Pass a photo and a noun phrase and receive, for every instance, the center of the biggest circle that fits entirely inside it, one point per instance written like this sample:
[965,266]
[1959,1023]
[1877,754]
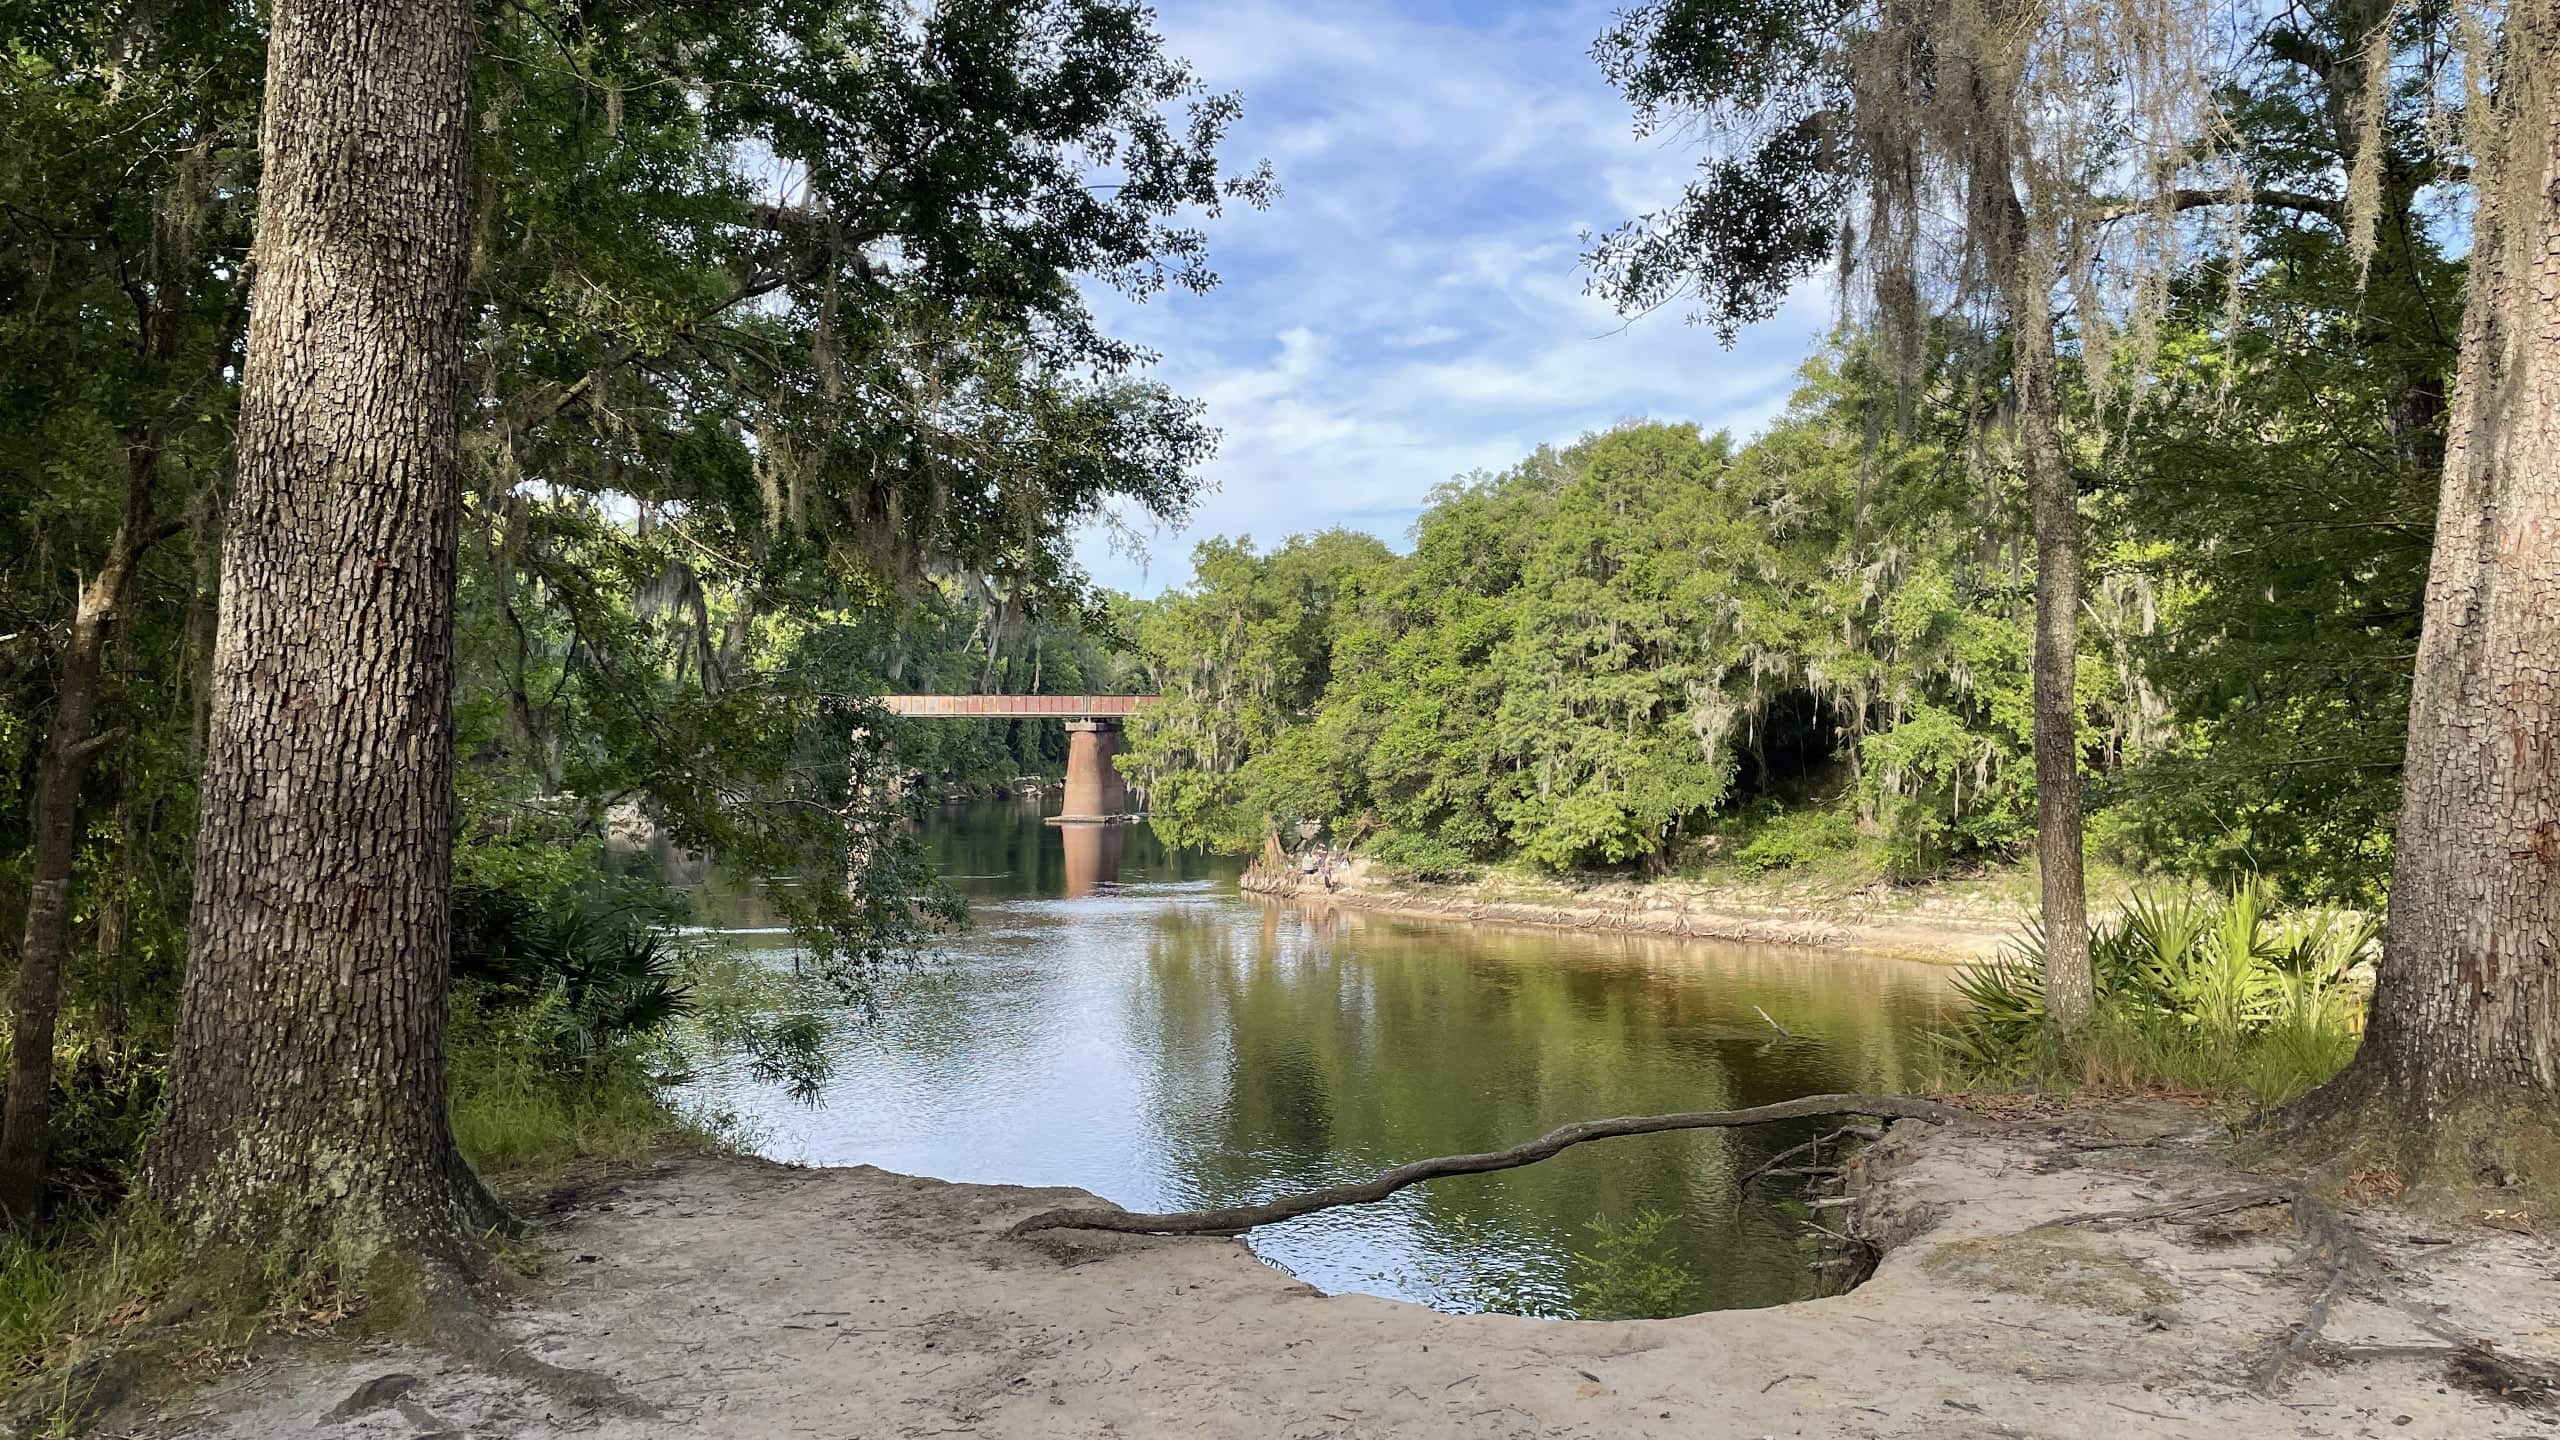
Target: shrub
[1789,838]
[521,1100]
[2193,992]
[559,1029]
[1423,856]
[1628,1271]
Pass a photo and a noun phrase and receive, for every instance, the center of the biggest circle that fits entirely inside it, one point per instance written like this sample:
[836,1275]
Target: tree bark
[2461,1057]
[54,842]
[2022,273]
[306,1108]
[2053,497]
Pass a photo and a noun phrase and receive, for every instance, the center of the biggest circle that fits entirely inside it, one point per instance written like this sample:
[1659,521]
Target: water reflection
[1092,853]
[1168,1043]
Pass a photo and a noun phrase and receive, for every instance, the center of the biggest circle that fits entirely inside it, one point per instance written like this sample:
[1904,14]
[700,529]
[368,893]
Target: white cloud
[1413,307]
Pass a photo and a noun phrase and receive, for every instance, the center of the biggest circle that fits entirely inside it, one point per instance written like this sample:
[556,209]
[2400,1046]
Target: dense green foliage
[1588,658]
[1651,647]
[1649,642]
[1588,654]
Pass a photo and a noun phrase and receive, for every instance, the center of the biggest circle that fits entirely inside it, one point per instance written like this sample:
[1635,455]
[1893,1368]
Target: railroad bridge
[1096,793]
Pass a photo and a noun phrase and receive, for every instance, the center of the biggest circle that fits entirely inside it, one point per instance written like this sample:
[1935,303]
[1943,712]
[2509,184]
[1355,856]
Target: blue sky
[1412,308]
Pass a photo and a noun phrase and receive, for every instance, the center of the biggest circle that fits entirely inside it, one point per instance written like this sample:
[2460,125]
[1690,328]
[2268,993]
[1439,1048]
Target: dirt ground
[733,1298]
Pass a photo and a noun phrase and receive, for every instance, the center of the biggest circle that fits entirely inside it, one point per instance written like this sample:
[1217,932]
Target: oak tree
[2459,1074]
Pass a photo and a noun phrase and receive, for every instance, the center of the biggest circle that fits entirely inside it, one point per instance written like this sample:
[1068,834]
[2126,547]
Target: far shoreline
[1939,922]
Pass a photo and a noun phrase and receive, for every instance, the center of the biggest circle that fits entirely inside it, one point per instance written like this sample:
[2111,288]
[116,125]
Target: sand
[729,1297]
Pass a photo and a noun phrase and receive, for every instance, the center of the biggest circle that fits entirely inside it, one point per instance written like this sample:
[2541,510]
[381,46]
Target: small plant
[1627,1272]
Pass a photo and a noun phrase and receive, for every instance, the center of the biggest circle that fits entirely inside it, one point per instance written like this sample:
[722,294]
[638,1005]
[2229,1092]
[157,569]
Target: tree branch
[809,265]
[2182,200]
[82,750]
[1236,1219]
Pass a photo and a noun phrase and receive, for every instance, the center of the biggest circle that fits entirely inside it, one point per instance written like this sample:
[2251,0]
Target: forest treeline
[1653,645]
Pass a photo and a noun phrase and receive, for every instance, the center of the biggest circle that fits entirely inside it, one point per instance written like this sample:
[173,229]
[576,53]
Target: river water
[1122,1019]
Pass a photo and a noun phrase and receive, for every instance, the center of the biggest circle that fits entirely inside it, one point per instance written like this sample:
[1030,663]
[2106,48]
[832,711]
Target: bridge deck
[1016,707]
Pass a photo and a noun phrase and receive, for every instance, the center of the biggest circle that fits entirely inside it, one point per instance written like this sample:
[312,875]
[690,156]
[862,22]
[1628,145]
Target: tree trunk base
[2478,1155]
[242,1239]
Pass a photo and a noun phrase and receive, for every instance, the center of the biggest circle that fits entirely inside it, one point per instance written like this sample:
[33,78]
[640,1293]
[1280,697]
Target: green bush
[567,1048]
[1785,839]
[1626,1273]
[523,1099]
[1423,856]
[2208,993]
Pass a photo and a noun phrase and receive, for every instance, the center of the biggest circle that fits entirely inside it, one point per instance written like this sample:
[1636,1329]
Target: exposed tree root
[2210,1205]
[1813,1146]
[1236,1219]
[456,1323]
[2511,1378]
[2345,1255]
[2472,1364]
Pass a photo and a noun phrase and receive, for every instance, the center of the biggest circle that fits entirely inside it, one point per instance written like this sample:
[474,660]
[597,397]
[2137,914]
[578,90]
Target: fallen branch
[1236,1219]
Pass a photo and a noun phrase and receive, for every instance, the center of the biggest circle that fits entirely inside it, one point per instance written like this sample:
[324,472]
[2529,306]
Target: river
[1122,1019]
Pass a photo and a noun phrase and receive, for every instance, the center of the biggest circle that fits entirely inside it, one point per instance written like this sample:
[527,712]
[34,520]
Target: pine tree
[306,1110]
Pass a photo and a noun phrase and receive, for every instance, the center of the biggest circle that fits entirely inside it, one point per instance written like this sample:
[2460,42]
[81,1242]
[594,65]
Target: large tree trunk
[307,1099]
[2461,1059]
[54,840]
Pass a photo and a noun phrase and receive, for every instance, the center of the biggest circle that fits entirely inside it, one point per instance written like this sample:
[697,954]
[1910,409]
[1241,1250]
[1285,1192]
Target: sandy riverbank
[738,1299]
[1950,922]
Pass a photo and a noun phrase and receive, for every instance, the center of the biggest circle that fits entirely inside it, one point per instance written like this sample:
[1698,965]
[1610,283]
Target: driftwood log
[1236,1219]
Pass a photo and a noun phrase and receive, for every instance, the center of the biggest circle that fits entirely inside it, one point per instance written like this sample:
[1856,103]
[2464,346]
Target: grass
[522,1110]
[83,1276]
[2121,1053]
[519,1114]
[560,1062]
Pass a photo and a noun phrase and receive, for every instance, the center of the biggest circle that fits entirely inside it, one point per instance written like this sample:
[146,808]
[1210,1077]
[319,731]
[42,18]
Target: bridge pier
[1095,789]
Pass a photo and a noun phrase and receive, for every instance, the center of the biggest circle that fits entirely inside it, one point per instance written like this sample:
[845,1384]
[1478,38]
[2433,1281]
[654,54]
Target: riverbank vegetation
[1656,649]
[2208,994]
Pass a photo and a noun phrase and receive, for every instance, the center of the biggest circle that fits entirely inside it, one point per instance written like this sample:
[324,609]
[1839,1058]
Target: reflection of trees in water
[989,849]
[1279,1048]
[1321,1049]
